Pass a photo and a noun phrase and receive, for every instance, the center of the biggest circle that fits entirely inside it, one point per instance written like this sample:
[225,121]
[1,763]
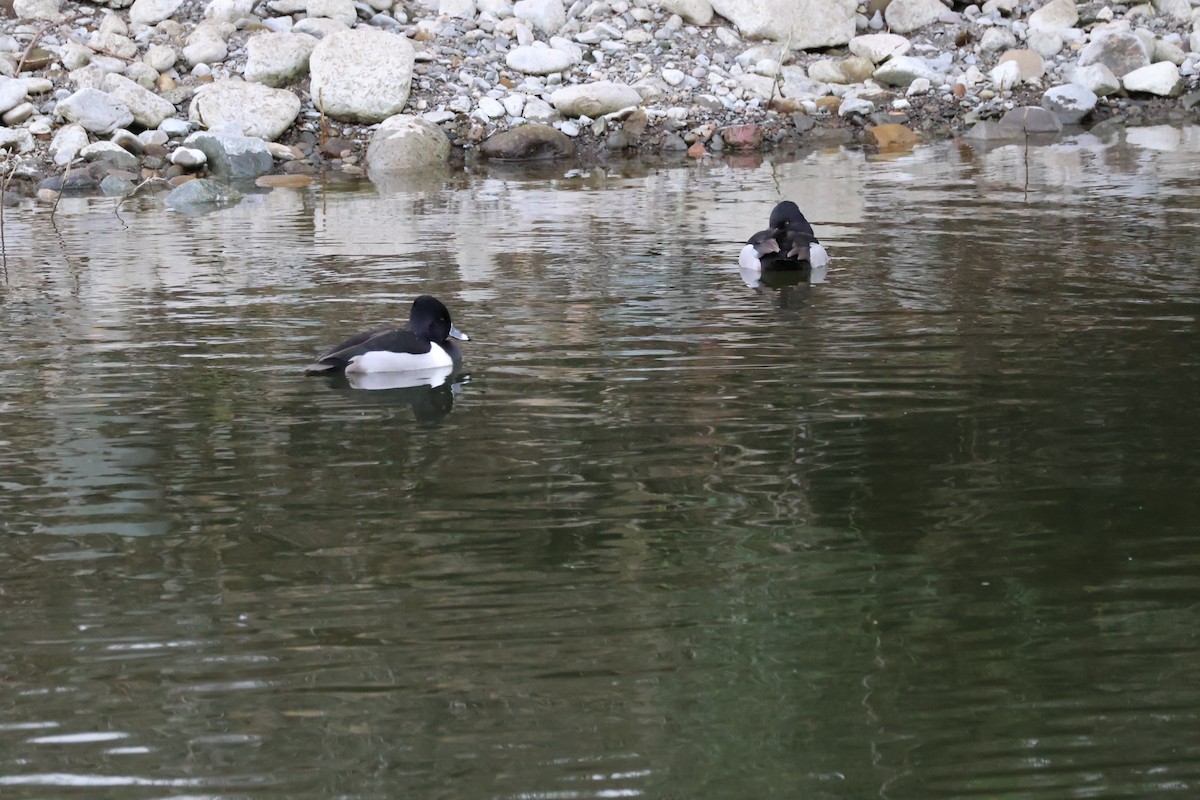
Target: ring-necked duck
[789,243]
[421,345]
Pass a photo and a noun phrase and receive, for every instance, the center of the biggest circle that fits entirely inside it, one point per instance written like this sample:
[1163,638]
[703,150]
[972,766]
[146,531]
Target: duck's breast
[389,361]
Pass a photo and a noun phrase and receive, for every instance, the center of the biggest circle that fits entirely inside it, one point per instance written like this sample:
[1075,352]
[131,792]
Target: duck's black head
[787,216]
[430,320]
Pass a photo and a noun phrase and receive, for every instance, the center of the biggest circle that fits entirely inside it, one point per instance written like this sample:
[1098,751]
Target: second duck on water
[423,344]
[789,243]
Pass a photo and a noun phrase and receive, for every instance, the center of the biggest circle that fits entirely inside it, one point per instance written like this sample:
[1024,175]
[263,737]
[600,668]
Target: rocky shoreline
[114,96]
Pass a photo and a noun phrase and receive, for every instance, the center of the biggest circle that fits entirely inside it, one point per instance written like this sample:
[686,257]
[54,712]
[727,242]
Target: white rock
[695,12]
[1070,102]
[341,10]
[319,28]
[153,137]
[903,70]
[12,93]
[404,143]
[361,74]
[1054,16]
[806,24]
[67,142]
[1161,79]
[277,59]
[1167,51]
[16,140]
[75,55]
[1006,75]
[594,99]
[1096,78]
[148,108]
[673,77]
[228,10]
[545,15]
[918,87]
[205,50]
[152,12]
[490,107]
[513,104]
[461,9]
[997,39]
[905,16]
[539,60]
[879,47]
[1177,10]
[96,111]
[37,9]
[37,85]
[175,128]
[855,105]
[160,57]
[1047,44]
[538,110]
[142,74]
[252,108]
[18,114]
[188,157]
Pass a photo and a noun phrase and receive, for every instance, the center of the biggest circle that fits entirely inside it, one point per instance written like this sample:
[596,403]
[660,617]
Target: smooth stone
[278,59]
[319,28]
[128,141]
[879,47]
[361,75]
[1005,75]
[693,12]
[546,15]
[594,99]
[96,111]
[175,128]
[188,157]
[997,39]
[160,57]
[805,24]
[539,60]
[18,114]
[903,70]
[109,154]
[1096,78]
[1160,79]
[67,142]
[228,10]
[152,12]
[1070,102]
[47,10]
[1047,44]
[906,16]
[341,10]
[232,156]
[252,108]
[1031,120]
[528,142]
[16,140]
[283,181]
[201,192]
[115,185]
[12,93]
[1055,15]
[155,137]
[148,109]
[1032,65]
[405,143]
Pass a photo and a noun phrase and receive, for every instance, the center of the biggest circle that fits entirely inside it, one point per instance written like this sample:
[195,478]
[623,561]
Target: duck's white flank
[387,361]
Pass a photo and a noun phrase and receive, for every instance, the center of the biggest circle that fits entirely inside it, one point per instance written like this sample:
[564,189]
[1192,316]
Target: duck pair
[425,343]
[788,244]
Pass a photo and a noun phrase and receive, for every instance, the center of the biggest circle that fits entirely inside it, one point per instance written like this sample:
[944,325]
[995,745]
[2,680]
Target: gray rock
[96,111]
[37,9]
[201,192]
[990,131]
[879,47]
[1070,102]
[128,141]
[254,109]
[152,12]
[694,12]
[361,75]
[110,155]
[539,60]
[153,137]
[806,24]
[996,39]
[528,142]
[905,16]
[277,59]
[12,93]
[174,128]
[232,156]
[404,143]
[341,10]
[115,185]
[594,99]
[1119,50]
[1160,79]
[546,15]
[1031,120]
[1046,43]
[67,142]
[147,108]
[1177,10]
[1031,65]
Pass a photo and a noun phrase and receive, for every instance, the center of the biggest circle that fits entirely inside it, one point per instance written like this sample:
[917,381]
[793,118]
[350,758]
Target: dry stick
[3,242]
[321,103]
[131,193]
[779,72]
[54,209]
[37,37]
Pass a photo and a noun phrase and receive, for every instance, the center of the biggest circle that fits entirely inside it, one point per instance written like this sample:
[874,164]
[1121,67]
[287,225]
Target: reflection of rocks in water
[430,393]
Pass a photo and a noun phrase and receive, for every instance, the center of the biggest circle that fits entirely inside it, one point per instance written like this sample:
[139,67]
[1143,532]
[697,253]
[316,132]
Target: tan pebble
[48,196]
[179,180]
[283,181]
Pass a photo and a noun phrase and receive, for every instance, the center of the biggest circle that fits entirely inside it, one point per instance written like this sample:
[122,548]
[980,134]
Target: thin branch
[61,187]
[37,37]
[3,242]
[131,193]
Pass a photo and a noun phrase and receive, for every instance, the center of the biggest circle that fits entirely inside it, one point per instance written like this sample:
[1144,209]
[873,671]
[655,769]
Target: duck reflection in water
[430,393]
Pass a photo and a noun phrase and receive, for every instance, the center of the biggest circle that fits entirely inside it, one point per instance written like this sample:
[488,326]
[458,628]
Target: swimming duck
[423,344]
[789,243]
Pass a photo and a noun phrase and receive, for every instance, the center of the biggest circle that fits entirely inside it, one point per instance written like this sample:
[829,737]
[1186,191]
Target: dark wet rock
[673,142]
[333,148]
[1031,119]
[525,142]
[1190,101]
[802,122]
[298,168]
[202,192]
[233,156]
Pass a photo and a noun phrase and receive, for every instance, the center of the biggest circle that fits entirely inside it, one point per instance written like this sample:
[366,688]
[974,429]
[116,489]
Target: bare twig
[131,193]
[3,242]
[775,84]
[321,105]
[61,187]
[37,37]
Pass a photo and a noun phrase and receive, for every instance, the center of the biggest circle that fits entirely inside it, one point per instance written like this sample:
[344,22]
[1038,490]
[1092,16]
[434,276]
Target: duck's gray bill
[455,333]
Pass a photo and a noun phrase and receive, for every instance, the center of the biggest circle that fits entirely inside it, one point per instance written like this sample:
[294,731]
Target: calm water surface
[926,529]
